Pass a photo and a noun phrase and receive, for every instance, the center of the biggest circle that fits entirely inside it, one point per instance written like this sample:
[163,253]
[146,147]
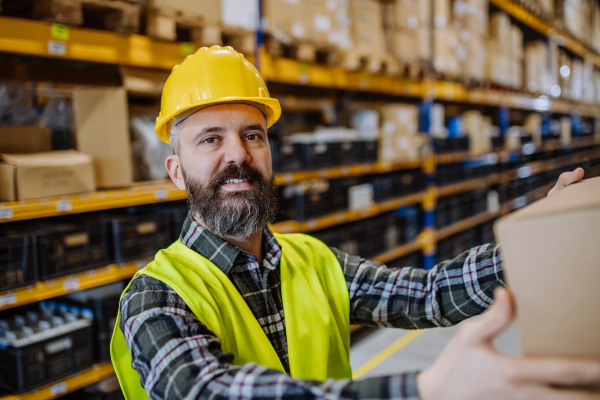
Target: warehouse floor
[376,352]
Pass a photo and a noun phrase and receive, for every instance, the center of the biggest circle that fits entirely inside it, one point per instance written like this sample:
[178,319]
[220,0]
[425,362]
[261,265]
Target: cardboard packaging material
[424,12]
[441,14]
[424,42]
[404,45]
[405,14]
[209,9]
[551,253]
[39,175]
[102,131]
[367,26]
[25,139]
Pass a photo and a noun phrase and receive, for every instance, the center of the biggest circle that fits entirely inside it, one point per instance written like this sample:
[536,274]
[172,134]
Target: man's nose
[236,152]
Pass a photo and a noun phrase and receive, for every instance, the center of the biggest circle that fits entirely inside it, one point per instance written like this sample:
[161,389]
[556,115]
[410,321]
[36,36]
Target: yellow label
[76,239]
[59,31]
[187,48]
[146,227]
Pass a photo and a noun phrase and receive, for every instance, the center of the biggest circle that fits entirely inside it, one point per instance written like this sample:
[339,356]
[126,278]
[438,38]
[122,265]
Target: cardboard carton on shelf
[39,175]
[551,253]
[209,9]
[102,131]
[25,139]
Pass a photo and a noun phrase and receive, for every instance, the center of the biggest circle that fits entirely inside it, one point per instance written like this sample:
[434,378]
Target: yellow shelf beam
[346,216]
[67,385]
[566,40]
[398,252]
[156,192]
[57,287]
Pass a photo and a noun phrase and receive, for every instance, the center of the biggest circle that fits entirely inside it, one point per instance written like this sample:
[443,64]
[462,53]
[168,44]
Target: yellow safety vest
[315,300]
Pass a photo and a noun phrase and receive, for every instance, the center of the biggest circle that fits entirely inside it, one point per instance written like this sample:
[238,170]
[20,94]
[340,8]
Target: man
[233,311]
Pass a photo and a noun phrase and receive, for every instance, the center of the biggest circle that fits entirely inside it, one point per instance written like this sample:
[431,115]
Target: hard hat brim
[272,105]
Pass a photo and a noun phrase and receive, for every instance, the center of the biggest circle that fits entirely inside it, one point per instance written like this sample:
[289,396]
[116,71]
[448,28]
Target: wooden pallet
[179,26]
[114,15]
[302,50]
[372,63]
[243,40]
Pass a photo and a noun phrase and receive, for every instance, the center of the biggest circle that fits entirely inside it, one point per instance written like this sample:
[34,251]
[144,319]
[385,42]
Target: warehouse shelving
[347,216]
[67,385]
[57,287]
[37,38]
[402,250]
[545,28]
[155,192]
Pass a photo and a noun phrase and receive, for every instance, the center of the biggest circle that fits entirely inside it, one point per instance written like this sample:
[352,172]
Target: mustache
[234,171]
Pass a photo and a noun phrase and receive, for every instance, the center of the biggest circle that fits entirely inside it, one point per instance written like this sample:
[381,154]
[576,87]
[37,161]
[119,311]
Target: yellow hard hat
[213,75]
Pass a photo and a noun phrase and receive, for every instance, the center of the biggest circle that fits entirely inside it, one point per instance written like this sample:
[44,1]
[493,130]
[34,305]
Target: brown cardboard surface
[55,173]
[25,139]
[209,9]
[551,254]
[102,131]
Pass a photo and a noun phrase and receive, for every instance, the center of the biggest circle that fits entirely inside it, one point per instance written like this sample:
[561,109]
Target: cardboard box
[424,12]
[367,26]
[209,9]
[102,131]
[405,14]
[55,173]
[285,20]
[404,45]
[441,14]
[25,139]
[424,42]
[551,253]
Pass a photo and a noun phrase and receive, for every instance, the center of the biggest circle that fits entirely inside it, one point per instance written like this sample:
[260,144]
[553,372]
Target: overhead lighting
[565,71]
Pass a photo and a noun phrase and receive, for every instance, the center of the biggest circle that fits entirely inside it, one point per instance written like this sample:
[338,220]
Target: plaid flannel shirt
[178,357]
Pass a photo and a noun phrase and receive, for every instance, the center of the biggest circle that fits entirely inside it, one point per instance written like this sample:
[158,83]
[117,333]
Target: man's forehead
[226,116]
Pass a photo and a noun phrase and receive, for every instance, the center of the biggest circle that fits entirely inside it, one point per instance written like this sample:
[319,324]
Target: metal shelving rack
[41,39]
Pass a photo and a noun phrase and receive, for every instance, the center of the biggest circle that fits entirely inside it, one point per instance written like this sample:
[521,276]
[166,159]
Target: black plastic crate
[317,155]
[178,216]
[368,150]
[17,267]
[138,236]
[62,249]
[286,156]
[103,301]
[39,351]
[345,153]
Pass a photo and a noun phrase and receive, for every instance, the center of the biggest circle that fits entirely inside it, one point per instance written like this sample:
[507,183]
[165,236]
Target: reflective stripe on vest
[315,300]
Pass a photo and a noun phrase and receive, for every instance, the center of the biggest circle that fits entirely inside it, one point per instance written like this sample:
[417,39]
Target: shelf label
[70,284]
[8,298]
[58,389]
[59,31]
[187,48]
[161,194]
[64,206]
[6,213]
[57,48]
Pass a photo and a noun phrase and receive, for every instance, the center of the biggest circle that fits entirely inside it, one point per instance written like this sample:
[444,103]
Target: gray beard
[233,214]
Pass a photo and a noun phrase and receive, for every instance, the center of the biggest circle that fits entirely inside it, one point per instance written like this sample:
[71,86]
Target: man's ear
[174,169]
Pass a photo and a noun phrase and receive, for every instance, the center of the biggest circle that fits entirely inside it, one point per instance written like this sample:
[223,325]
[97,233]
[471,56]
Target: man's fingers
[562,372]
[567,178]
[546,393]
[497,318]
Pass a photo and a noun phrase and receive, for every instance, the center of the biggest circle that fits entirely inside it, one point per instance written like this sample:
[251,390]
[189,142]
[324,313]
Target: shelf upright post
[503,119]
[259,37]
[427,237]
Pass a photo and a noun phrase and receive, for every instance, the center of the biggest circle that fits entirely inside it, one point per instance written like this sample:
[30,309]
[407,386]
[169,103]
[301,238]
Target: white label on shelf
[6,213]
[8,298]
[161,194]
[303,78]
[71,283]
[58,389]
[64,206]
[360,197]
[91,273]
[524,172]
[519,202]
[57,48]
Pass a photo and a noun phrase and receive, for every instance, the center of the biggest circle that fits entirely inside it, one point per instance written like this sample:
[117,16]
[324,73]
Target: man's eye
[209,140]
[253,136]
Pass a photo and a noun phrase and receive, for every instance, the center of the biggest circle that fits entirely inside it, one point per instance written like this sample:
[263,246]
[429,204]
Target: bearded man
[232,310]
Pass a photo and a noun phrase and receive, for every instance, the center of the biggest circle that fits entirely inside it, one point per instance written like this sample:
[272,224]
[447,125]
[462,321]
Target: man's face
[225,161]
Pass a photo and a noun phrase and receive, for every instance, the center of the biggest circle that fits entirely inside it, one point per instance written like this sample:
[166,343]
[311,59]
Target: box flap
[7,182]
[50,158]
[581,195]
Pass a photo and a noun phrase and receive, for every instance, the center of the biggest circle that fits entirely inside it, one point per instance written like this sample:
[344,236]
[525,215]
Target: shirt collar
[222,253]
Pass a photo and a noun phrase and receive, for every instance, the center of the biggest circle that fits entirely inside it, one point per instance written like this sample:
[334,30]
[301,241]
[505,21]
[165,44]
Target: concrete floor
[417,354]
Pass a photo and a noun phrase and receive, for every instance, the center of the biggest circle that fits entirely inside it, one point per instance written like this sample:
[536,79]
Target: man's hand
[567,178]
[470,368]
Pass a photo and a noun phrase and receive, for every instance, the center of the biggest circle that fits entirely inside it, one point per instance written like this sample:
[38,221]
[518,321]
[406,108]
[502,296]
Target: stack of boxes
[399,139]
[445,40]
[470,18]
[319,22]
[479,130]
[408,30]
[576,17]
[367,36]
[505,52]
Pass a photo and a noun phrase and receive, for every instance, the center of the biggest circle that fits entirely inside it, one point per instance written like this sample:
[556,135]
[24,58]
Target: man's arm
[413,298]
[178,357]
